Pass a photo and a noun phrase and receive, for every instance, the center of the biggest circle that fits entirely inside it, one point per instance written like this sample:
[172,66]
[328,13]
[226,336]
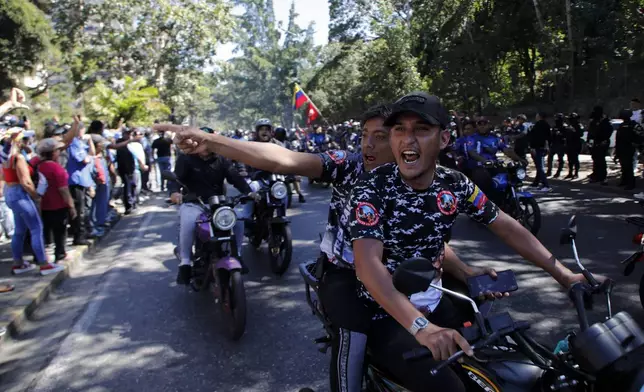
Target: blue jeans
[26,217]
[164,164]
[540,178]
[99,206]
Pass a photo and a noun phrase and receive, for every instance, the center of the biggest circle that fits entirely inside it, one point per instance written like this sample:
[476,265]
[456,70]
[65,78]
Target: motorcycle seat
[307,270]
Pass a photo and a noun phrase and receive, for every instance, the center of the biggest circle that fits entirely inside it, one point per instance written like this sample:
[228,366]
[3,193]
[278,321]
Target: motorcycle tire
[642,291]
[281,260]
[255,240]
[524,202]
[232,300]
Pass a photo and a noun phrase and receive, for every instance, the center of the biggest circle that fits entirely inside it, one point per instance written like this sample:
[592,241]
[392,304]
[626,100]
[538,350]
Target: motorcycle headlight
[224,218]
[521,173]
[279,190]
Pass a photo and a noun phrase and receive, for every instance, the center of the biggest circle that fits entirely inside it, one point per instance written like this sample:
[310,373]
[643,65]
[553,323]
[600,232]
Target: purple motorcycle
[216,265]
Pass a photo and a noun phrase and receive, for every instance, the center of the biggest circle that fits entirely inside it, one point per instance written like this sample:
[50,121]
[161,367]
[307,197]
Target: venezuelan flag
[478,198]
[299,98]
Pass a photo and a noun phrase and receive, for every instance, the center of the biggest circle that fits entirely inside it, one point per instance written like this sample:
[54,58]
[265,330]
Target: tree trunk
[571,48]
[539,17]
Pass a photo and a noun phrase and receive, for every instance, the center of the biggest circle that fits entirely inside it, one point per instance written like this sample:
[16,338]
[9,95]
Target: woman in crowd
[57,201]
[21,196]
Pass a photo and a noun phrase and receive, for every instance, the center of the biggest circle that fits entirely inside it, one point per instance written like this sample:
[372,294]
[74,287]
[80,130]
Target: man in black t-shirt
[125,167]
[405,210]
[162,145]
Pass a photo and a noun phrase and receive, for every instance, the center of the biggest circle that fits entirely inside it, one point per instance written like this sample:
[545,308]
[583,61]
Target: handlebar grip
[417,354]
[590,278]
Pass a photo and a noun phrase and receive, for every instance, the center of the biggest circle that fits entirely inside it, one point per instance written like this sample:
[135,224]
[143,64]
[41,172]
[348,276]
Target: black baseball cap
[428,107]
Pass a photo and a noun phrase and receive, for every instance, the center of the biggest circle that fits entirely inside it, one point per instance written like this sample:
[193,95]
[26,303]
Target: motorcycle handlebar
[423,352]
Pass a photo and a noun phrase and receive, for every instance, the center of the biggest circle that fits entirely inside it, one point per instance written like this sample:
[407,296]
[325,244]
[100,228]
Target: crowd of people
[476,140]
[68,180]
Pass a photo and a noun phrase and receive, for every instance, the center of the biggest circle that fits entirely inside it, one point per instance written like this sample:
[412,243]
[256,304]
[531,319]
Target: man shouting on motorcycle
[403,210]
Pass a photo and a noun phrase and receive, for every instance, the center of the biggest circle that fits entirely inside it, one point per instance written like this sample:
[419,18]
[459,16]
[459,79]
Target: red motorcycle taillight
[637,239]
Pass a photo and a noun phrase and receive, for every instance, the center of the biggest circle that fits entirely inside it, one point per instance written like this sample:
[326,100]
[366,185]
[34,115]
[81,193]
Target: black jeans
[626,164]
[600,169]
[129,194]
[55,222]
[573,159]
[388,341]
[482,177]
[557,150]
[351,320]
[82,203]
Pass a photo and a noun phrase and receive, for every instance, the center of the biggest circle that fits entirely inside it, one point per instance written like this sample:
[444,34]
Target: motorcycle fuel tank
[203,228]
[516,376]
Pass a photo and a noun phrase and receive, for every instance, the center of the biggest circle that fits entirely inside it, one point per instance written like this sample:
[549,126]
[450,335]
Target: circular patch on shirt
[366,214]
[446,202]
[337,156]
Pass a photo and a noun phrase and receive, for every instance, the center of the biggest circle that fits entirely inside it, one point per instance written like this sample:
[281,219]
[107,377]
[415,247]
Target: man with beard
[405,209]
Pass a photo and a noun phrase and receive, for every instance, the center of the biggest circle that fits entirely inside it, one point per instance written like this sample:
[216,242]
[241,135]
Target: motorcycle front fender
[228,263]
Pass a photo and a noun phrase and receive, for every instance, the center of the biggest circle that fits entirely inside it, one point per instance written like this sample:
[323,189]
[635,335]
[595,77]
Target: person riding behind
[281,136]
[405,209]
[335,265]
[204,176]
[319,139]
[482,147]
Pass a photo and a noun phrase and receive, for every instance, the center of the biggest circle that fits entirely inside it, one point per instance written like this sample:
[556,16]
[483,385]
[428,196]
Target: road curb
[13,320]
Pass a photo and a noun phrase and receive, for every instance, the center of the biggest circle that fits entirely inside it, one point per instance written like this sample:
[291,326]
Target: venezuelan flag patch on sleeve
[478,198]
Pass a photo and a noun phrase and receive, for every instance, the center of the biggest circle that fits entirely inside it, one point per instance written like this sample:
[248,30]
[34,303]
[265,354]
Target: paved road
[122,324]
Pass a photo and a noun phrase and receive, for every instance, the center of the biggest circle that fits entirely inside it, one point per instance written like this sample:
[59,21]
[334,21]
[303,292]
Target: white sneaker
[639,196]
[545,189]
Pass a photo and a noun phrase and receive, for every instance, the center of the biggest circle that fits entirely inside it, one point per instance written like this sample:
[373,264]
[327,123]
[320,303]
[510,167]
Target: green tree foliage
[259,83]
[164,41]
[25,40]
[134,101]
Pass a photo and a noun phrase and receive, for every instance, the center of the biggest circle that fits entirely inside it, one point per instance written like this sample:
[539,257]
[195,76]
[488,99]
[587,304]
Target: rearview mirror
[414,276]
[168,176]
[568,234]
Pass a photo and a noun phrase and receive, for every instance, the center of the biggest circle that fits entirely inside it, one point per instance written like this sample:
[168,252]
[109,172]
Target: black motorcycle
[215,257]
[605,357]
[270,223]
[519,204]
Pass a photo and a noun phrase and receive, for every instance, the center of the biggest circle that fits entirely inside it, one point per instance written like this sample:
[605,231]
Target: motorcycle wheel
[530,214]
[642,291]
[280,250]
[232,299]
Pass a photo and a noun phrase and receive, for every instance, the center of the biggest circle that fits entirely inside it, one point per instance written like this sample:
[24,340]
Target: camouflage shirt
[412,223]
[342,169]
